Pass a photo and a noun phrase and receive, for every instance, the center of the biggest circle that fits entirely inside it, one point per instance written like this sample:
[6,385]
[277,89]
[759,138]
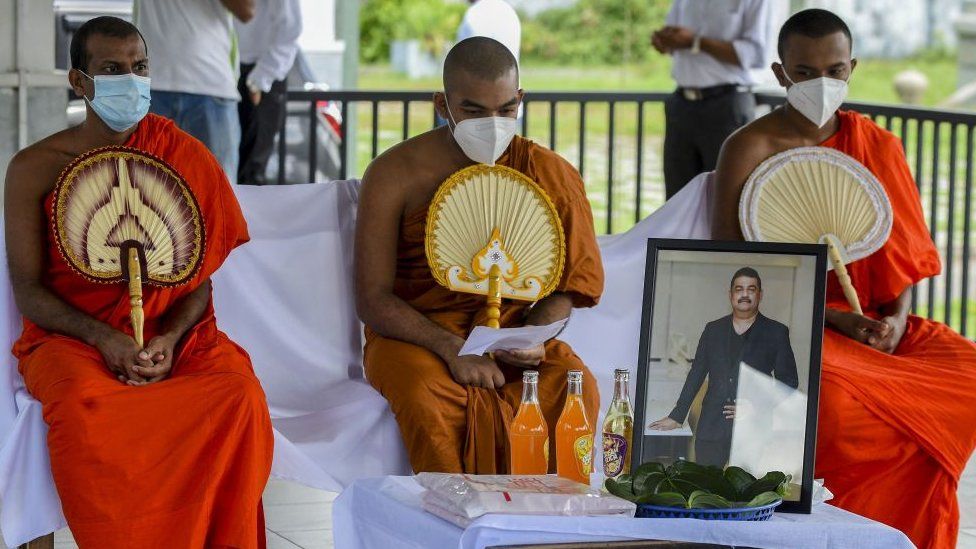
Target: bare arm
[24,227]
[738,158]
[551,309]
[381,205]
[242,9]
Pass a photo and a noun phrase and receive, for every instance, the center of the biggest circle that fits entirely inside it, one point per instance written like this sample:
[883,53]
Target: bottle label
[614,454]
[584,454]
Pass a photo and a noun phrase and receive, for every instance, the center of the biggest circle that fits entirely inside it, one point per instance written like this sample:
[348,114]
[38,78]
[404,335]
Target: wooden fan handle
[845,279]
[493,310]
[136,314]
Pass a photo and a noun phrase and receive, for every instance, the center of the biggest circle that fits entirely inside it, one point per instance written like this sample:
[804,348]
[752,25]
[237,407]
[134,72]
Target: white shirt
[270,41]
[192,46]
[493,19]
[745,23]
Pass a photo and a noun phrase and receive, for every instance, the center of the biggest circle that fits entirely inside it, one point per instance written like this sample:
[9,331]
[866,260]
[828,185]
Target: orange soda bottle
[528,437]
[574,436]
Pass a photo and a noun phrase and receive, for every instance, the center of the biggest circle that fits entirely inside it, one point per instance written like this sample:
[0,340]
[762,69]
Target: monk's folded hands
[159,352]
[121,354]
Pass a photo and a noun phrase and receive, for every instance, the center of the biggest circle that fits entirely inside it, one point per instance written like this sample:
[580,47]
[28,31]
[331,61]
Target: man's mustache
[745,300]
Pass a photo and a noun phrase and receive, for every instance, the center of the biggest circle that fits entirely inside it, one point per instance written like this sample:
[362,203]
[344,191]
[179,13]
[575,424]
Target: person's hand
[860,328]
[121,355]
[665,424]
[657,40]
[159,352]
[255,97]
[677,38]
[477,371]
[522,358]
[888,341]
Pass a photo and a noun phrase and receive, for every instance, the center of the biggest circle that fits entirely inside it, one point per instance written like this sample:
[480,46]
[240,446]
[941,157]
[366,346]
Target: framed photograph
[729,365]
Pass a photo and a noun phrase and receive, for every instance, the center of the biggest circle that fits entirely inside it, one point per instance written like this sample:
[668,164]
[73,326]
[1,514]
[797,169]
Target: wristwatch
[696,44]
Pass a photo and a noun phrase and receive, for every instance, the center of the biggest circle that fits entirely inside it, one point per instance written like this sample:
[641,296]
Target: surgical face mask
[121,100]
[483,139]
[816,99]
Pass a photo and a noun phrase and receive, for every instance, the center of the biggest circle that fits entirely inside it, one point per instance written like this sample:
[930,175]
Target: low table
[385,513]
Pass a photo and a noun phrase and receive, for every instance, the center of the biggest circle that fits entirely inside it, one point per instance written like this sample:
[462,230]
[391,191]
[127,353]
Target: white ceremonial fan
[492,231]
[121,215]
[818,195]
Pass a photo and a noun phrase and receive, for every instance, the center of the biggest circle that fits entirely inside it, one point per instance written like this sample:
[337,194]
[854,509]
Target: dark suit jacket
[766,348]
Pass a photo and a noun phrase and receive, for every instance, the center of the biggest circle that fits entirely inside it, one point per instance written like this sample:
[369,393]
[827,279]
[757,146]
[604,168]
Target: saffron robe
[895,431]
[448,427]
[180,463]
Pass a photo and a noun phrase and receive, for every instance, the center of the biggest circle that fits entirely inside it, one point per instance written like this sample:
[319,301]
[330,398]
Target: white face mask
[483,139]
[816,99]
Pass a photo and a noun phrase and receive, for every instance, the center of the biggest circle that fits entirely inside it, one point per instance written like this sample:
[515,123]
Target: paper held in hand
[484,340]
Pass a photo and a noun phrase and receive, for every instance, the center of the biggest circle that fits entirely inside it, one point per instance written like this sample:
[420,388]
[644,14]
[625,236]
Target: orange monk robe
[180,463]
[449,427]
[895,431]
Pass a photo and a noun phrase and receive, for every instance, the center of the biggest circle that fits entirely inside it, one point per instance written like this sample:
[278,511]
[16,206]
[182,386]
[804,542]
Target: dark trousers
[695,130]
[712,452]
[259,125]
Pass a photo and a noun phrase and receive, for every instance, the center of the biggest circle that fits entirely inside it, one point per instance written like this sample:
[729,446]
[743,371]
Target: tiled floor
[301,518]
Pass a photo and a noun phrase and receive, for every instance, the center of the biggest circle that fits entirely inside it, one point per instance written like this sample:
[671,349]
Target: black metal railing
[615,140]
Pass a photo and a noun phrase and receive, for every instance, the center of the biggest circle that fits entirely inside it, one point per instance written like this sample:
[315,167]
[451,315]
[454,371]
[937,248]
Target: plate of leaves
[686,489]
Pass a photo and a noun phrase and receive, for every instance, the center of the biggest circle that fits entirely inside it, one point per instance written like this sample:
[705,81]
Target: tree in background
[433,22]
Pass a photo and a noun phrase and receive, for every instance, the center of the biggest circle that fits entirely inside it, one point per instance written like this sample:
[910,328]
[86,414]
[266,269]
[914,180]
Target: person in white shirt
[268,46]
[492,19]
[715,44]
[194,57]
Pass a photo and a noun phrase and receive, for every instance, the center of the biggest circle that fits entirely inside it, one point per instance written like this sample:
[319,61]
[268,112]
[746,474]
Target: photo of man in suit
[744,336]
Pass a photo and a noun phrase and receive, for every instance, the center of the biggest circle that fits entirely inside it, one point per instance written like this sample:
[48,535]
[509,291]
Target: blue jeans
[212,120]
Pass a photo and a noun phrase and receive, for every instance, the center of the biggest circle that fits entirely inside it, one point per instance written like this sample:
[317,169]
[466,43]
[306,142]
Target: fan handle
[137,315]
[493,309]
[833,250]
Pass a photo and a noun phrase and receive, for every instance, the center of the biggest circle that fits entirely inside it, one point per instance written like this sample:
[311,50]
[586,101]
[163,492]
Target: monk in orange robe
[897,419]
[454,411]
[166,446]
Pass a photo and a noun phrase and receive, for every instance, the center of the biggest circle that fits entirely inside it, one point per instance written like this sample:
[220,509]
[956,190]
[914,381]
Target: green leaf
[774,481]
[683,467]
[701,499]
[711,481]
[673,484]
[641,474]
[739,477]
[664,499]
[621,487]
[649,484]
[764,498]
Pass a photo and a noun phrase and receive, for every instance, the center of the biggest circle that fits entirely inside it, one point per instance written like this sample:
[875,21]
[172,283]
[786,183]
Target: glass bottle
[528,437]
[618,428]
[574,436]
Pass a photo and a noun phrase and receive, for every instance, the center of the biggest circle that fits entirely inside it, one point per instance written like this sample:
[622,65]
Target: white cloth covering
[380,513]
[287,297]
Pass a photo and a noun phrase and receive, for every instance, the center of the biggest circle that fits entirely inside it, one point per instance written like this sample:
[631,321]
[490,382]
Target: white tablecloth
[383,513]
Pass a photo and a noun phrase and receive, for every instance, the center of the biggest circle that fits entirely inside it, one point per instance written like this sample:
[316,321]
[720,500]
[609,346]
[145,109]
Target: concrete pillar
[33,96]
[347,30]
[966,31]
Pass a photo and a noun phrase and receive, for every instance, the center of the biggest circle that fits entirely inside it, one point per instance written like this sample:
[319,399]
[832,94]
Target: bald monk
[898,392]
[166,446]
[454,411]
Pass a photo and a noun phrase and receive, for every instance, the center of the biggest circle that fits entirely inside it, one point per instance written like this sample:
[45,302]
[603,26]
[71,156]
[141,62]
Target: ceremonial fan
[818,195]
[121,215]
[492,231]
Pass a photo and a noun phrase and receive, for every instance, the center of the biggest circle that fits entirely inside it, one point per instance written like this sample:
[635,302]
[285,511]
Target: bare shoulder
[399,165]
[750,145]
[35,169]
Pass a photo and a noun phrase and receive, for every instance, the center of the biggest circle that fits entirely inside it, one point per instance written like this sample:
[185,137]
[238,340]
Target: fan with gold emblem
[492,231]
[123,216]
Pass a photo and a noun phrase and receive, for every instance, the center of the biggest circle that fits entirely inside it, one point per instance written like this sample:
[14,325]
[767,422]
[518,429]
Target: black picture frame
[819,253]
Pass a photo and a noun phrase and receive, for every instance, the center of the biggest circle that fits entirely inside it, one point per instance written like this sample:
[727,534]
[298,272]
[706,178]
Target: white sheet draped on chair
[287,298]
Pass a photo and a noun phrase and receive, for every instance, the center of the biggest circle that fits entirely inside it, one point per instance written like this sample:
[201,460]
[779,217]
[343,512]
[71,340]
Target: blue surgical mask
[121,100]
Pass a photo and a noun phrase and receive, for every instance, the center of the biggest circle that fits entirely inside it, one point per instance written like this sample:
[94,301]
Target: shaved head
[480,58]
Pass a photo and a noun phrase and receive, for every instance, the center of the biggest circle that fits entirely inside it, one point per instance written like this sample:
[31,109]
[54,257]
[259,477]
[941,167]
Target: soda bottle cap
[530,375]
[621,373]
[575,375]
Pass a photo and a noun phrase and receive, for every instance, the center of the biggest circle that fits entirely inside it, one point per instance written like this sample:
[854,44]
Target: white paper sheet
[484,340]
